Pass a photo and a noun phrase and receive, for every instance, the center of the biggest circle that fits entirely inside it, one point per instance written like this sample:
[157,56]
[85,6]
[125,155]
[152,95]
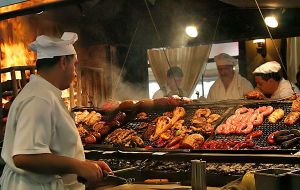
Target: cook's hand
[90,171]
[104,166]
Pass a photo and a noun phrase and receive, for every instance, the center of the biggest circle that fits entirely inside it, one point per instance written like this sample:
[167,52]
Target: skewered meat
[277,115]
[193,141]
[292,118]
[296,105]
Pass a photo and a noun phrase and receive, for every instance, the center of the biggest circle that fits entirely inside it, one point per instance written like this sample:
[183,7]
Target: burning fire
[13,45]
[15,54]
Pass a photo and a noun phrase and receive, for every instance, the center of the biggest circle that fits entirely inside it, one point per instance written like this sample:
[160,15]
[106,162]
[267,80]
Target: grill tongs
[112,179]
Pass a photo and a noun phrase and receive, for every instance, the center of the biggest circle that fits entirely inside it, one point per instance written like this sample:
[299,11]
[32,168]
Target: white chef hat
[268,67]
[225,59]
[48,47]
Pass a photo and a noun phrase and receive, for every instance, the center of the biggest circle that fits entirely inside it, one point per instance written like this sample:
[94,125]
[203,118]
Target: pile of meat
[92,125]
[171,131]
[245,119]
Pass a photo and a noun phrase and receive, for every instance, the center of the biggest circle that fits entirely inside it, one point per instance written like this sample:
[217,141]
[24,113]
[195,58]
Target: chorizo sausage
[290,143]
[270,138]
[255,134]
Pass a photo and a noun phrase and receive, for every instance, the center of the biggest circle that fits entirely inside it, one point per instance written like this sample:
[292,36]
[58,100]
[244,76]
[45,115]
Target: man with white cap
[42,148]
[230,84]
[270,82]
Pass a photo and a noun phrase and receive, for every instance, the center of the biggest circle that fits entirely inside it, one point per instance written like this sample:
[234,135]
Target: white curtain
[293,57]
[190,59]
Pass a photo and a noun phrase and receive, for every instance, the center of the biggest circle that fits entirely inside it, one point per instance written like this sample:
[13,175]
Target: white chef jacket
[238,87]
[39,122]
[163,93]
[284,90]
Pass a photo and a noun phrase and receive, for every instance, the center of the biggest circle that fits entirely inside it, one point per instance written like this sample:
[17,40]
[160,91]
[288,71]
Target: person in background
[42,148]
[174,79]
[270,82]
[230,84]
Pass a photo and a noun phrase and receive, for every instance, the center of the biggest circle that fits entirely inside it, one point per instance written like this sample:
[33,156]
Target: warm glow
[191,31]
[271,21]
[14,45]
[259,41]
[26,4]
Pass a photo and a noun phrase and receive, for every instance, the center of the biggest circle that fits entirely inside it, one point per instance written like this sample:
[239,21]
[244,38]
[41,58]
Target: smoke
[123,90]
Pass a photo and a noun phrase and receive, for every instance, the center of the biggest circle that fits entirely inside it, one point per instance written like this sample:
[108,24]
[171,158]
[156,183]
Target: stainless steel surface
[198,181]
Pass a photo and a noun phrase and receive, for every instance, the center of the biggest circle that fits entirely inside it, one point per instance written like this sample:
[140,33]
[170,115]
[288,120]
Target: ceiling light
[271,21]
[191,31]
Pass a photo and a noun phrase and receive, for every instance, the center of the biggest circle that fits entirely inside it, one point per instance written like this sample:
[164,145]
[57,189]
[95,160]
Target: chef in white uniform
[42,148]
[230,84]
[271,83]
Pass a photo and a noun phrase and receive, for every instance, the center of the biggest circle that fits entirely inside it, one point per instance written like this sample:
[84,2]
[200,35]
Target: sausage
[176,146]
[245,144]
[248,129]
[282,132]
[271,137]
[296,132]
[255,134]
[268,111]
[290,143]
[175,141]
[282,138]
[259,120]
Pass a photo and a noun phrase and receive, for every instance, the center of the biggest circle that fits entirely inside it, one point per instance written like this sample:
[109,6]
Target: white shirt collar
[47,84]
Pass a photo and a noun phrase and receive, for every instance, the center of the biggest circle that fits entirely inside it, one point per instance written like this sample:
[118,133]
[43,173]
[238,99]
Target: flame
[15,54]
[13,45]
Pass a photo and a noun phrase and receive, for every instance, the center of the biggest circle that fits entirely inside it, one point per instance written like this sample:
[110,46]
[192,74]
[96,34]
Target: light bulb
[271,21]
[191,31]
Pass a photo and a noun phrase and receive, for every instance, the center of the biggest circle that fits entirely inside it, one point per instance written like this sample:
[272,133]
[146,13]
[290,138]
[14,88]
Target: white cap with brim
[225,59]
[268,67]
[48,47]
